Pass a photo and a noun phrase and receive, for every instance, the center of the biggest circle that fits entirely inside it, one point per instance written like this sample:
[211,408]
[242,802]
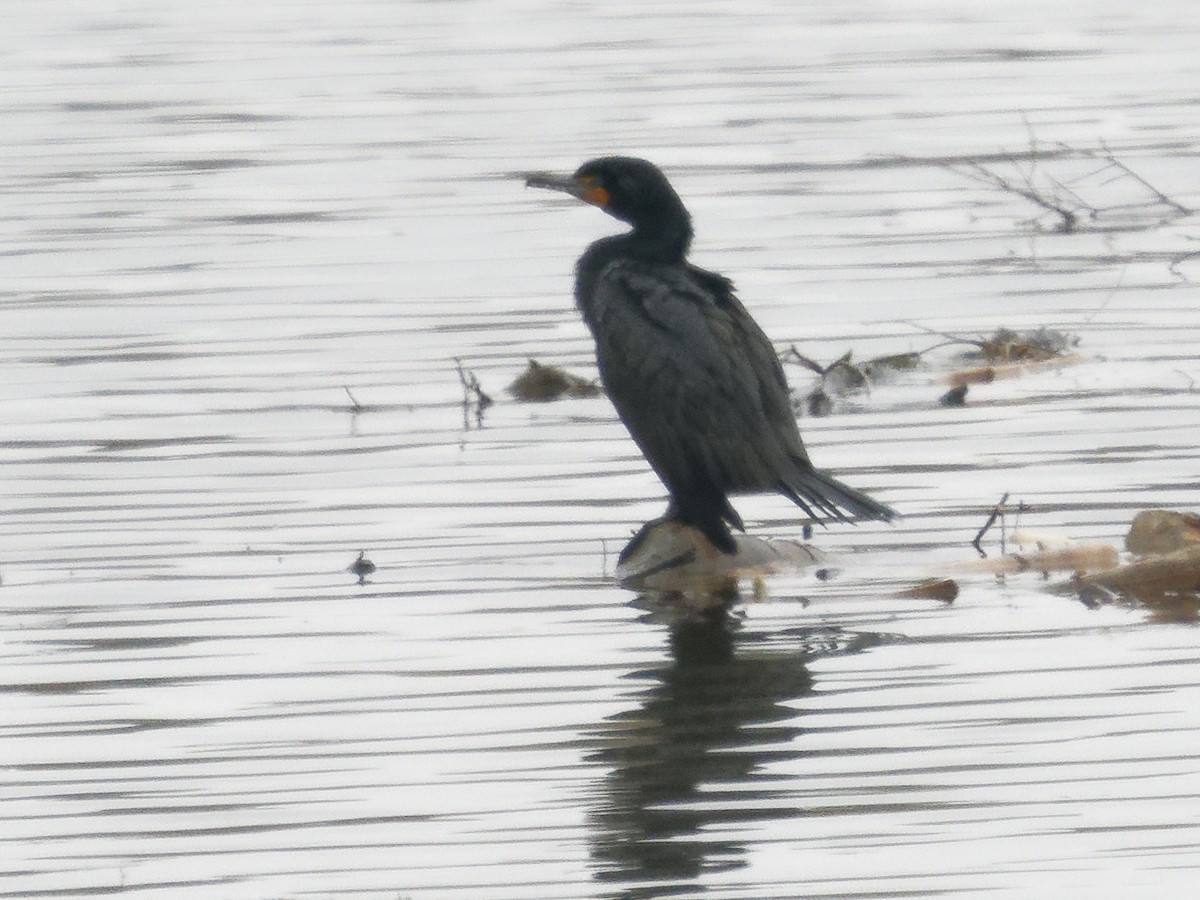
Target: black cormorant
[691,374]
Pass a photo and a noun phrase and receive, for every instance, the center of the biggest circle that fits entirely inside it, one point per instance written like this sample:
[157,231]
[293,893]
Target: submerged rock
[539,383]
[1164,579]
[1162,531]
[666,555]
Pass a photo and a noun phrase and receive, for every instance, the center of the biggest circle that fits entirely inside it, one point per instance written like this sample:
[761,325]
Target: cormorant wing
[693,377]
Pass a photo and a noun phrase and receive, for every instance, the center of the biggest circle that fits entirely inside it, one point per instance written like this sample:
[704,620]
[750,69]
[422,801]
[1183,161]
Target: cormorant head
[630,189]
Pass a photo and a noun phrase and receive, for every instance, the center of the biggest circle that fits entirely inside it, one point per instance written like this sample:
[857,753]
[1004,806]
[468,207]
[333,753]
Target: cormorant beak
[584,188]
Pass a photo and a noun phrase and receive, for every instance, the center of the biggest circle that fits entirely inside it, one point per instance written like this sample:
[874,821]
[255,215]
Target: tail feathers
[819,494]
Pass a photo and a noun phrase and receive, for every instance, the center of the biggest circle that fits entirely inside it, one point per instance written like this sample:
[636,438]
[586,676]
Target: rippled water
[245,245]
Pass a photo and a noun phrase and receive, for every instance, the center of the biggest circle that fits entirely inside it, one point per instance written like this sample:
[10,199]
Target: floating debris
[1006,345]
[843,377]
[1167,585]
[1077,558]
[838,379]
[944,589]
[1159,531]
[1165,579]
[541,384]
[362,567]
[956,396]
[1011,354]
[882,367]
[1000,371]
[1051,552]
[817,404]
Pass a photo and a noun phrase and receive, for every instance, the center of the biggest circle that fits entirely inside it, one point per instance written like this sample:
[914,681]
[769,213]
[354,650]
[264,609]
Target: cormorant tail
[817,493]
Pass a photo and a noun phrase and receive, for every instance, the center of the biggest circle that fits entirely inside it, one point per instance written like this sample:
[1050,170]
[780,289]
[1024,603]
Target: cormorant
[691,374]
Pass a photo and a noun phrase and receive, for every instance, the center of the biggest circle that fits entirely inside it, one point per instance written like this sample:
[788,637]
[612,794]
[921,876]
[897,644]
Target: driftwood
[1001,371]
[1072,558]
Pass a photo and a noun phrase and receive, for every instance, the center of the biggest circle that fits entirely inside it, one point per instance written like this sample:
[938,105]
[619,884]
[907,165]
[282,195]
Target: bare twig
[1063,196]
[997,513]
[474,396]
[1108,299]
[950,338]
[794,354]
[1069,217]
[1162,198]
[1173,267]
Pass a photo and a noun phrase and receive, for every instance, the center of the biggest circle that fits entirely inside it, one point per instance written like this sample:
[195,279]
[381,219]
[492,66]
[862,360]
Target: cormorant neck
[663,239]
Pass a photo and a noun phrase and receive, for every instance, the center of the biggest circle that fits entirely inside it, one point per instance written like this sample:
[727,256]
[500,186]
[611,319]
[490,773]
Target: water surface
[222,217]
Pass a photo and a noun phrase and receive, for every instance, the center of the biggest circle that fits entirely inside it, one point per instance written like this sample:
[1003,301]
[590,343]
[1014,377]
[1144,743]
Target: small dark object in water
[944,589]
[362,567]
[955,396]
[844,377]
[691,374]
[545,383]
[817,404]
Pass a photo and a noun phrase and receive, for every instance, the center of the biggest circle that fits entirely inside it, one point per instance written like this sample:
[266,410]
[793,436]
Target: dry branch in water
[1123,190]
[1068,211]
[474,398]
[843,376]
[1163,577]
[1009,354]
[997,513]
[1115,163]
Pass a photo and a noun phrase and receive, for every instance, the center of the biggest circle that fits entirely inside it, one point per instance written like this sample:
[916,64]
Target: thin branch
[473,395]
[950,338]
[997,513]
[794,354]
[985,176]
[1162,198]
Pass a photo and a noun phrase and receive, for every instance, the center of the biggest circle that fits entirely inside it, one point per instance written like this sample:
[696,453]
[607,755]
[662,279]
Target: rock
[666,555]
[539,383]
[1156,531]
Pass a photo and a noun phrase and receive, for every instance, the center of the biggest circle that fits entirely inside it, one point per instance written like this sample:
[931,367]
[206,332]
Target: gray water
[219,218]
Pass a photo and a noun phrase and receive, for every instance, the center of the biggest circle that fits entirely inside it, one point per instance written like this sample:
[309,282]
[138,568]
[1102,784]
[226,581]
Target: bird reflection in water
[688,763]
